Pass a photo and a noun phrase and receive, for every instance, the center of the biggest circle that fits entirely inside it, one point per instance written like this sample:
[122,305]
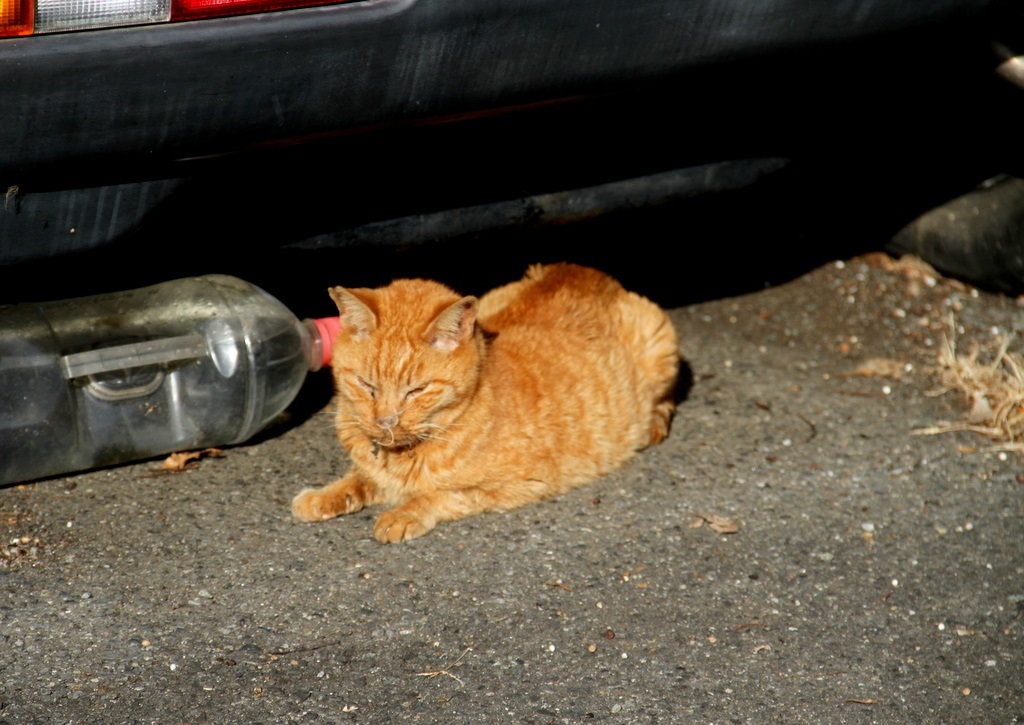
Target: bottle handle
[121,358]
[133,355]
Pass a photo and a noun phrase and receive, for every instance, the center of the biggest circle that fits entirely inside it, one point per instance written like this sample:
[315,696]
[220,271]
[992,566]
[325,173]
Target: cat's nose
[389,421]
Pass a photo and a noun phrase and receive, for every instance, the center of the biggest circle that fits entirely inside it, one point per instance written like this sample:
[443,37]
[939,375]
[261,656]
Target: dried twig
[748,625]
[944,427]
[830,673]
[814,428]
[558,583]
[446,669]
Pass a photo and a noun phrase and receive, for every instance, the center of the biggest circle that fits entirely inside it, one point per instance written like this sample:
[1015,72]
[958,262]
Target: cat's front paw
[398,525]
[311,505]
[321,504]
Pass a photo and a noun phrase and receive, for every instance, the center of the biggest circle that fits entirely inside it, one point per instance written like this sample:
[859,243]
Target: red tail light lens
[36,17]
[16,17]
[194,9]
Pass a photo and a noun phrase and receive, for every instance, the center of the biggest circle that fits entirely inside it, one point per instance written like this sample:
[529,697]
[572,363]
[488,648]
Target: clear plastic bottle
[183,365]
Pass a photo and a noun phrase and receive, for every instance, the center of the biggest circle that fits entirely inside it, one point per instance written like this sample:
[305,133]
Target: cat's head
[405,362]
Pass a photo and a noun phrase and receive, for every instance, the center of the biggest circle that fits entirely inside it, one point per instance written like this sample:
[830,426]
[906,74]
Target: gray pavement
[876,576]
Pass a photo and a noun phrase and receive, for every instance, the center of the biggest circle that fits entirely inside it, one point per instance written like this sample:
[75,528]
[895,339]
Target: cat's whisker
[444,427]
[429,437]
[433,425]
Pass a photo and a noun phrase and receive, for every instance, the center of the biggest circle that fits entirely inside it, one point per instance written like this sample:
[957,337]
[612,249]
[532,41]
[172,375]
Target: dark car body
[394,121]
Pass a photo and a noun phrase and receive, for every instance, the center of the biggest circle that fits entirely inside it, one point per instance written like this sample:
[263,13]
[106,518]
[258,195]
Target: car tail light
[16,17]
[55,16]
[36,17]
[191,9]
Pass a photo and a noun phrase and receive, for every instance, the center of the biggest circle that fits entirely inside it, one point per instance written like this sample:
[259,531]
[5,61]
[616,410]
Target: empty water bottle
[183,365]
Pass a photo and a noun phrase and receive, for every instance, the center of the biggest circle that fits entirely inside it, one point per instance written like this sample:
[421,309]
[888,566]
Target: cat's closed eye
[369,388]
[414,392]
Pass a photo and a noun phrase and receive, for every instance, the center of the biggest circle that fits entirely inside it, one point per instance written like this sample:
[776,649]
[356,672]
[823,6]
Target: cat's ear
[356,316]
[454,326]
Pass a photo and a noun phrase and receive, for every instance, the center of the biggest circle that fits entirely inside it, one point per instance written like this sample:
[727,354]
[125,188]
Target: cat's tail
[651,339]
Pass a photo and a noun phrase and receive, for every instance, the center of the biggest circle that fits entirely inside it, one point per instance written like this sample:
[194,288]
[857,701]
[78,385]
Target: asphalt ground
[874,575]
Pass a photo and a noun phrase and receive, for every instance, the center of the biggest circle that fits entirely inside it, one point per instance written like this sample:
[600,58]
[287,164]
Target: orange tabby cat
[451,406]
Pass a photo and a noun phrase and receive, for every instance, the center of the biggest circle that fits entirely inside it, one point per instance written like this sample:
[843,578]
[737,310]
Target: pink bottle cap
[328,327]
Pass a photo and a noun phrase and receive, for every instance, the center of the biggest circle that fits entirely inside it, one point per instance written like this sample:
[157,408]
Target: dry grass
[992,390]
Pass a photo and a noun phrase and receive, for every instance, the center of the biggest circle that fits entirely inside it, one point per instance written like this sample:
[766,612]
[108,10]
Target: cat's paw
[321,504]
[398,525]
[660,420]
[309,505]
